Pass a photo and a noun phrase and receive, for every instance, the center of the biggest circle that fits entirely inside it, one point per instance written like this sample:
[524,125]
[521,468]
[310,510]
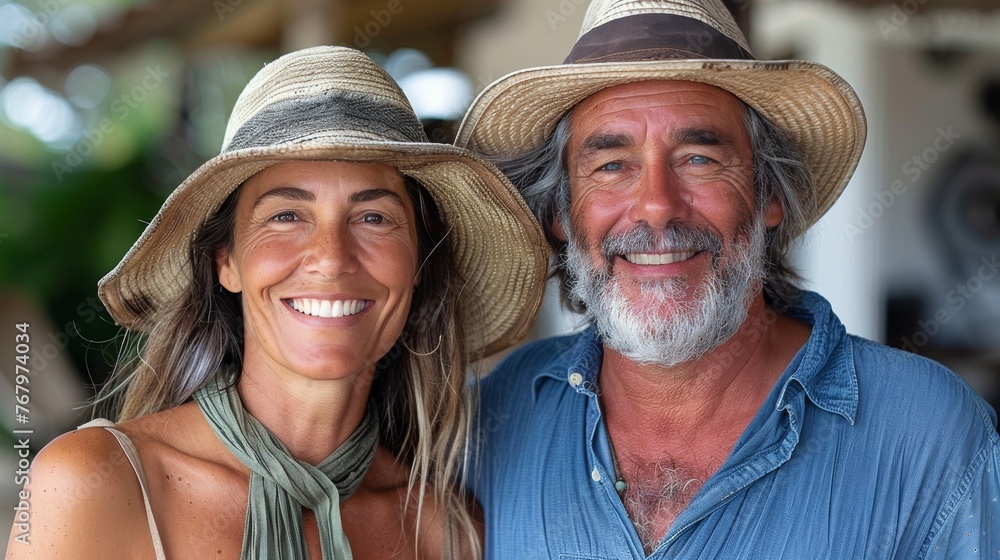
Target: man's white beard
[645,333]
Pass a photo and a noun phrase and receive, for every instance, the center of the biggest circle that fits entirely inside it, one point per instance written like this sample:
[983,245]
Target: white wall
[912,105]
[842,268]
[524,33]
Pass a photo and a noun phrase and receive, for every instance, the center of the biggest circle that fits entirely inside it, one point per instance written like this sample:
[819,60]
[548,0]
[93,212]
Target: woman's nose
[331,252]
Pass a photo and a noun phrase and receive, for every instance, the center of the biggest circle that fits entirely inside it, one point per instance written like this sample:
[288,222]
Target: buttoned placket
[748,462]
[599,454]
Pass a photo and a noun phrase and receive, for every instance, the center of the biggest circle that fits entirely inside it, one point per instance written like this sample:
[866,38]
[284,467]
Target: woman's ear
[229,275]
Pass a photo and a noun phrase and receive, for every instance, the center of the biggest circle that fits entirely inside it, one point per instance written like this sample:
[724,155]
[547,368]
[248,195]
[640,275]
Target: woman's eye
[612,166]
[284,217]
[374,219]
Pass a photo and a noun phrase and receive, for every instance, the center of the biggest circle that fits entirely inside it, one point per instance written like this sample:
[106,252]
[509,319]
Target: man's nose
[658,197]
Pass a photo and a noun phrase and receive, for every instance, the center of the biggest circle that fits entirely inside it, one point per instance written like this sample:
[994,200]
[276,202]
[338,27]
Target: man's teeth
[327,308]
[658,258]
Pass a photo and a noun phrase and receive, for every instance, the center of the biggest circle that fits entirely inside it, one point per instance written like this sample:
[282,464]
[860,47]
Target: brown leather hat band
[654,37]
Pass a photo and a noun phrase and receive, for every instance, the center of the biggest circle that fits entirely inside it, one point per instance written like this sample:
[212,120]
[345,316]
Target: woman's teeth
[327,308]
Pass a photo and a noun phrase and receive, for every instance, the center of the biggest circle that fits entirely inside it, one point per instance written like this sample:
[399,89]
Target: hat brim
[518,112]
[495,240]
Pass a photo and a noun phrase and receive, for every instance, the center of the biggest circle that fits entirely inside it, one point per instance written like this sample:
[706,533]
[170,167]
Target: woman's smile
[328,308]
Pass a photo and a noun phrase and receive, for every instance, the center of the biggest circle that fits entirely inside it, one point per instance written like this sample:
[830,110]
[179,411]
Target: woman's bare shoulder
[179,427]
[79,487]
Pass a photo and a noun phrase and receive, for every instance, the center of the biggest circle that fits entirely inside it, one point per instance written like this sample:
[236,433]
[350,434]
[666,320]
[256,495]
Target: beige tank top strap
[133,458]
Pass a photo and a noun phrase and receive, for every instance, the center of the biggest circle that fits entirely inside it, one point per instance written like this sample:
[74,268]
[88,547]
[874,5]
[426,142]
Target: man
[712,409]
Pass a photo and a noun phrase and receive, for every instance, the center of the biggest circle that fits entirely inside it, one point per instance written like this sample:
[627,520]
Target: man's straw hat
[335,103]
[625,41]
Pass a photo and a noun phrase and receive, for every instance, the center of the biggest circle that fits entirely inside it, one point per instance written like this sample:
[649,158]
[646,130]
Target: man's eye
[700,160]
[612,166]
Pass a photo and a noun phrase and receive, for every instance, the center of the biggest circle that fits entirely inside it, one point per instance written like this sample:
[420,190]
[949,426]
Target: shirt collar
[823,367]
[581,355]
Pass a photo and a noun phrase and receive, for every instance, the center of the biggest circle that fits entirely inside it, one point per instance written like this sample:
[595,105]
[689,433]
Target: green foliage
[57,239]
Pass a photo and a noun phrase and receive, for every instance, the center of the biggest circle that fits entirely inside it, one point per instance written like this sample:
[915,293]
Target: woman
[310,300]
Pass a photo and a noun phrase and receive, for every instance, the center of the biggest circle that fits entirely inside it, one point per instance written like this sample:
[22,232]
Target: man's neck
[705,403]
[671,428]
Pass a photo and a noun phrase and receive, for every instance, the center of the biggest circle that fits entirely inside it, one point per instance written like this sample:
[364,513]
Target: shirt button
[595,475]
[575,379]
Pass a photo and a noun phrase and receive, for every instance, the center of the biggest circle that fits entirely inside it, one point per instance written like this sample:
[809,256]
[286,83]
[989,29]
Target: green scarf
[280,485]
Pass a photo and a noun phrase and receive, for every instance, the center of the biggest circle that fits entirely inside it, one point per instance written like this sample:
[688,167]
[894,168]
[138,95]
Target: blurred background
[107,105]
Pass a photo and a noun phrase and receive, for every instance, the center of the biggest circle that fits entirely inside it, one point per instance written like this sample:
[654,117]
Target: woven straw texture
[303,74]
[822,112]
[496,241]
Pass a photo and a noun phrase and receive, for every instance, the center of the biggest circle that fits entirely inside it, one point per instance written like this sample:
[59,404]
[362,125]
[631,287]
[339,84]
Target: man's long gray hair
[779,171]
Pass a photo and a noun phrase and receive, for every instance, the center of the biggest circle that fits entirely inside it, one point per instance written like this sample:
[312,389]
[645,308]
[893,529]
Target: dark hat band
[290,121]
[654,37]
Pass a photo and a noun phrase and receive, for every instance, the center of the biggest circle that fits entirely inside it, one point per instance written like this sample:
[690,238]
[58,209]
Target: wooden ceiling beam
[200,24]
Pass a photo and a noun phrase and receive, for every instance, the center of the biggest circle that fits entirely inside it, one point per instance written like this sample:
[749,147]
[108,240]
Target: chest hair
[655,496]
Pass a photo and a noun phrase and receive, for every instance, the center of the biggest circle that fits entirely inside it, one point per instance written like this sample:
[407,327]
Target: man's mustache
[673,238]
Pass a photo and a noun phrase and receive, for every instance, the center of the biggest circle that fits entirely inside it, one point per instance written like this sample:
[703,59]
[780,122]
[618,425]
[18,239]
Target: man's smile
[659,258]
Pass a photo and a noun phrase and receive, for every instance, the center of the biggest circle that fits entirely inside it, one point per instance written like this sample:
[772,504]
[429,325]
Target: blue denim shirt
[859,451]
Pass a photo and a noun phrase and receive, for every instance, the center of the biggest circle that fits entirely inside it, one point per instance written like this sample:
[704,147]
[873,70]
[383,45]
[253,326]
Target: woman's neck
[310,417]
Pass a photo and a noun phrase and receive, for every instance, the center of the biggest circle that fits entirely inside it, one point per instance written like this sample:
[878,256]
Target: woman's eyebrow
[368,195]
[295,193]
[287,193]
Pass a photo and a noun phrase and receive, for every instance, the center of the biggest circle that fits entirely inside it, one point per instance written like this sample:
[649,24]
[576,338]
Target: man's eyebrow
[367,195]
[607,141]
[286,193]
[695,136]
[700,137]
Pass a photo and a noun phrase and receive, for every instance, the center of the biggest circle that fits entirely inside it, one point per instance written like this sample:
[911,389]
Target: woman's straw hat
[625,41]
[335,103]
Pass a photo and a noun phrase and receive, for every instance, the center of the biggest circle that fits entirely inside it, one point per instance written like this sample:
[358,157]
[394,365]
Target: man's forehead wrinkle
[684,125]
[663,93]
